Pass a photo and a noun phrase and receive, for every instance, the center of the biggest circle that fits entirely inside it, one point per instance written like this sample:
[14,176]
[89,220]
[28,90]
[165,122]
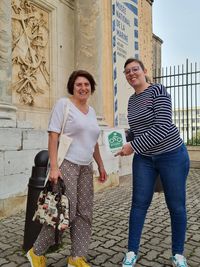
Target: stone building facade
[157,53]
[41,43]
[145,34]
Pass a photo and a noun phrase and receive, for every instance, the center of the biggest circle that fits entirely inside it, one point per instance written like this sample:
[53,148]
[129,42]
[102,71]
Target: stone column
[88,45]
[7,110]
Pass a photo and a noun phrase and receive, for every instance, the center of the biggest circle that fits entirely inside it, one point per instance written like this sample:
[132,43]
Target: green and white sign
[114,140]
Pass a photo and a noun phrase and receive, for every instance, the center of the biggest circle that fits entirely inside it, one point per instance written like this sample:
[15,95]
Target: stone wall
[145,34]
[74,36]
[17,153]
[194,153]
[42,42]
[42,56]
[157,56]
[18,147]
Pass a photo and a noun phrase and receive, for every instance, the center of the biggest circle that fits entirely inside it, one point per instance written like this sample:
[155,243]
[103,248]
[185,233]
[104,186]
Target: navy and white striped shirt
[150,121]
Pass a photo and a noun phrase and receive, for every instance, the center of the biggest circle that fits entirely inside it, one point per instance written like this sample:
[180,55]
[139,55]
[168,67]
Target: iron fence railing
[183,84]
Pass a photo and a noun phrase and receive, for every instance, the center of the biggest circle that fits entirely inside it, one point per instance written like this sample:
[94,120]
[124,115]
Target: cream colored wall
[61,58]
[145,34]
[88,45]
[194,152]
[108,98]
[21,143]
[67,45]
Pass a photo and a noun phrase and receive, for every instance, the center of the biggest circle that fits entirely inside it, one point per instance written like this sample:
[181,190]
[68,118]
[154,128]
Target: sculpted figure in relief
[29,51]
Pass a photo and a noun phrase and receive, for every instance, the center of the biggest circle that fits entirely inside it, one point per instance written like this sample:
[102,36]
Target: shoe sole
[124,265]
[174,265]
[129,265]
[29,258]
[69,265]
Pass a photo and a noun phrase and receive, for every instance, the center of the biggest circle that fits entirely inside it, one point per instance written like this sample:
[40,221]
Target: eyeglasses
[133,70]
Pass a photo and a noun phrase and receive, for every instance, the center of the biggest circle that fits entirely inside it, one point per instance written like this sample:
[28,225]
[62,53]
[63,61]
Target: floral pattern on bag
[53,207]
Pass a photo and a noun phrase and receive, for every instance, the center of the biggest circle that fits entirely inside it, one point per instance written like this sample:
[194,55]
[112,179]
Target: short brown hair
[131,59]
[80,73]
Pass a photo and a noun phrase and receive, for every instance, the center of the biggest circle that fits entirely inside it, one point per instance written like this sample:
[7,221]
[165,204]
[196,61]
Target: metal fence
[183,84]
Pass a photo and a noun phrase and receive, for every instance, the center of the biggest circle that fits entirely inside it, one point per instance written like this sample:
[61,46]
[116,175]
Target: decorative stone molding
[7,111]
[88,44]
[69,3]
[5,52]
[30,51]
[150,2]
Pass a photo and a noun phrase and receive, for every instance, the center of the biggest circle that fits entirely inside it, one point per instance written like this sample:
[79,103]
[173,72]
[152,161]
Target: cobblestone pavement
[110,226]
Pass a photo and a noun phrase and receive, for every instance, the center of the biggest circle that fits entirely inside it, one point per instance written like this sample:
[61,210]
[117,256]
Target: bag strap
[62,128]
[61,186]
[61,191]
[65,115]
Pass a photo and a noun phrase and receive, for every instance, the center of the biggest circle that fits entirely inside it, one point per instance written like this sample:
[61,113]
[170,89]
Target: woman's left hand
[125,151]
[102,174]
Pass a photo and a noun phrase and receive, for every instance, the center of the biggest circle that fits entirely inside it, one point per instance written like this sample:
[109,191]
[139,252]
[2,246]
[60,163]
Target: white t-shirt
[83,128]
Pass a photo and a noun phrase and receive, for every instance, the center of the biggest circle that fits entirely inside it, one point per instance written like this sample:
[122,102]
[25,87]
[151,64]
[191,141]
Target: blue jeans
[173,168]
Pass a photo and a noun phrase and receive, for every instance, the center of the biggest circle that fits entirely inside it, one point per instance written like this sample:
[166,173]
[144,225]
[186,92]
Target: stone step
[195,164]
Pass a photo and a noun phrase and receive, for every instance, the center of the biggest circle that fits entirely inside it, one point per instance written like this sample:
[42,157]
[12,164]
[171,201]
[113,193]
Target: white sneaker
[179,261]
[130,259]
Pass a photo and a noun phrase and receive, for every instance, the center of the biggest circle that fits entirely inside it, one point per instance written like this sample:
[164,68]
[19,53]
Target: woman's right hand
[54,174]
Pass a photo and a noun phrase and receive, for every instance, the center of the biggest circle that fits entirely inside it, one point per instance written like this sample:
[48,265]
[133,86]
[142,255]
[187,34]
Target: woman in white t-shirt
[76,169]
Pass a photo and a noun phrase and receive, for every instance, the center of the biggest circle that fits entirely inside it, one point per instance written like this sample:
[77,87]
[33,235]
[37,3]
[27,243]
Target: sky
[177,23]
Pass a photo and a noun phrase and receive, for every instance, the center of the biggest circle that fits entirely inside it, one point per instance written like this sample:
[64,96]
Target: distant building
[187,121]
[157,55]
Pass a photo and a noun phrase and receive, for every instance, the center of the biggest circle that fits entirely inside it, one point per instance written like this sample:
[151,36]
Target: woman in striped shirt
[158,149]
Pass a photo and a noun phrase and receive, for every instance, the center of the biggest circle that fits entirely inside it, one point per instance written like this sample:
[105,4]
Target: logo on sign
[115,140]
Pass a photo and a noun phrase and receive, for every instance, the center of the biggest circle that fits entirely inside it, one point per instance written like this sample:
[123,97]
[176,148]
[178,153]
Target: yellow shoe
[79,262]
[36,261]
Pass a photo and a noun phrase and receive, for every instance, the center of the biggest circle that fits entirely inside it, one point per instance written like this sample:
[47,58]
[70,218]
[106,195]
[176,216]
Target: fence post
[187,105]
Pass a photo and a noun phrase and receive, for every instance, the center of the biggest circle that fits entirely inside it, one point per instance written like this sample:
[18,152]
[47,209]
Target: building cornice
[69,3]
[150,2]
[157,38]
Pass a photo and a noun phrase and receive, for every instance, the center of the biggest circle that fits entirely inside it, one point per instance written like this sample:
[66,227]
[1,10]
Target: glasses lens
[133,69]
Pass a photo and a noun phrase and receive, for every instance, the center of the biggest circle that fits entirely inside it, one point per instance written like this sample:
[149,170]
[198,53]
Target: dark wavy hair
[80,73]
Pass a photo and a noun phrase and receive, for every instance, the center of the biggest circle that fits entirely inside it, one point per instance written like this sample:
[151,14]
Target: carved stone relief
[30,54]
